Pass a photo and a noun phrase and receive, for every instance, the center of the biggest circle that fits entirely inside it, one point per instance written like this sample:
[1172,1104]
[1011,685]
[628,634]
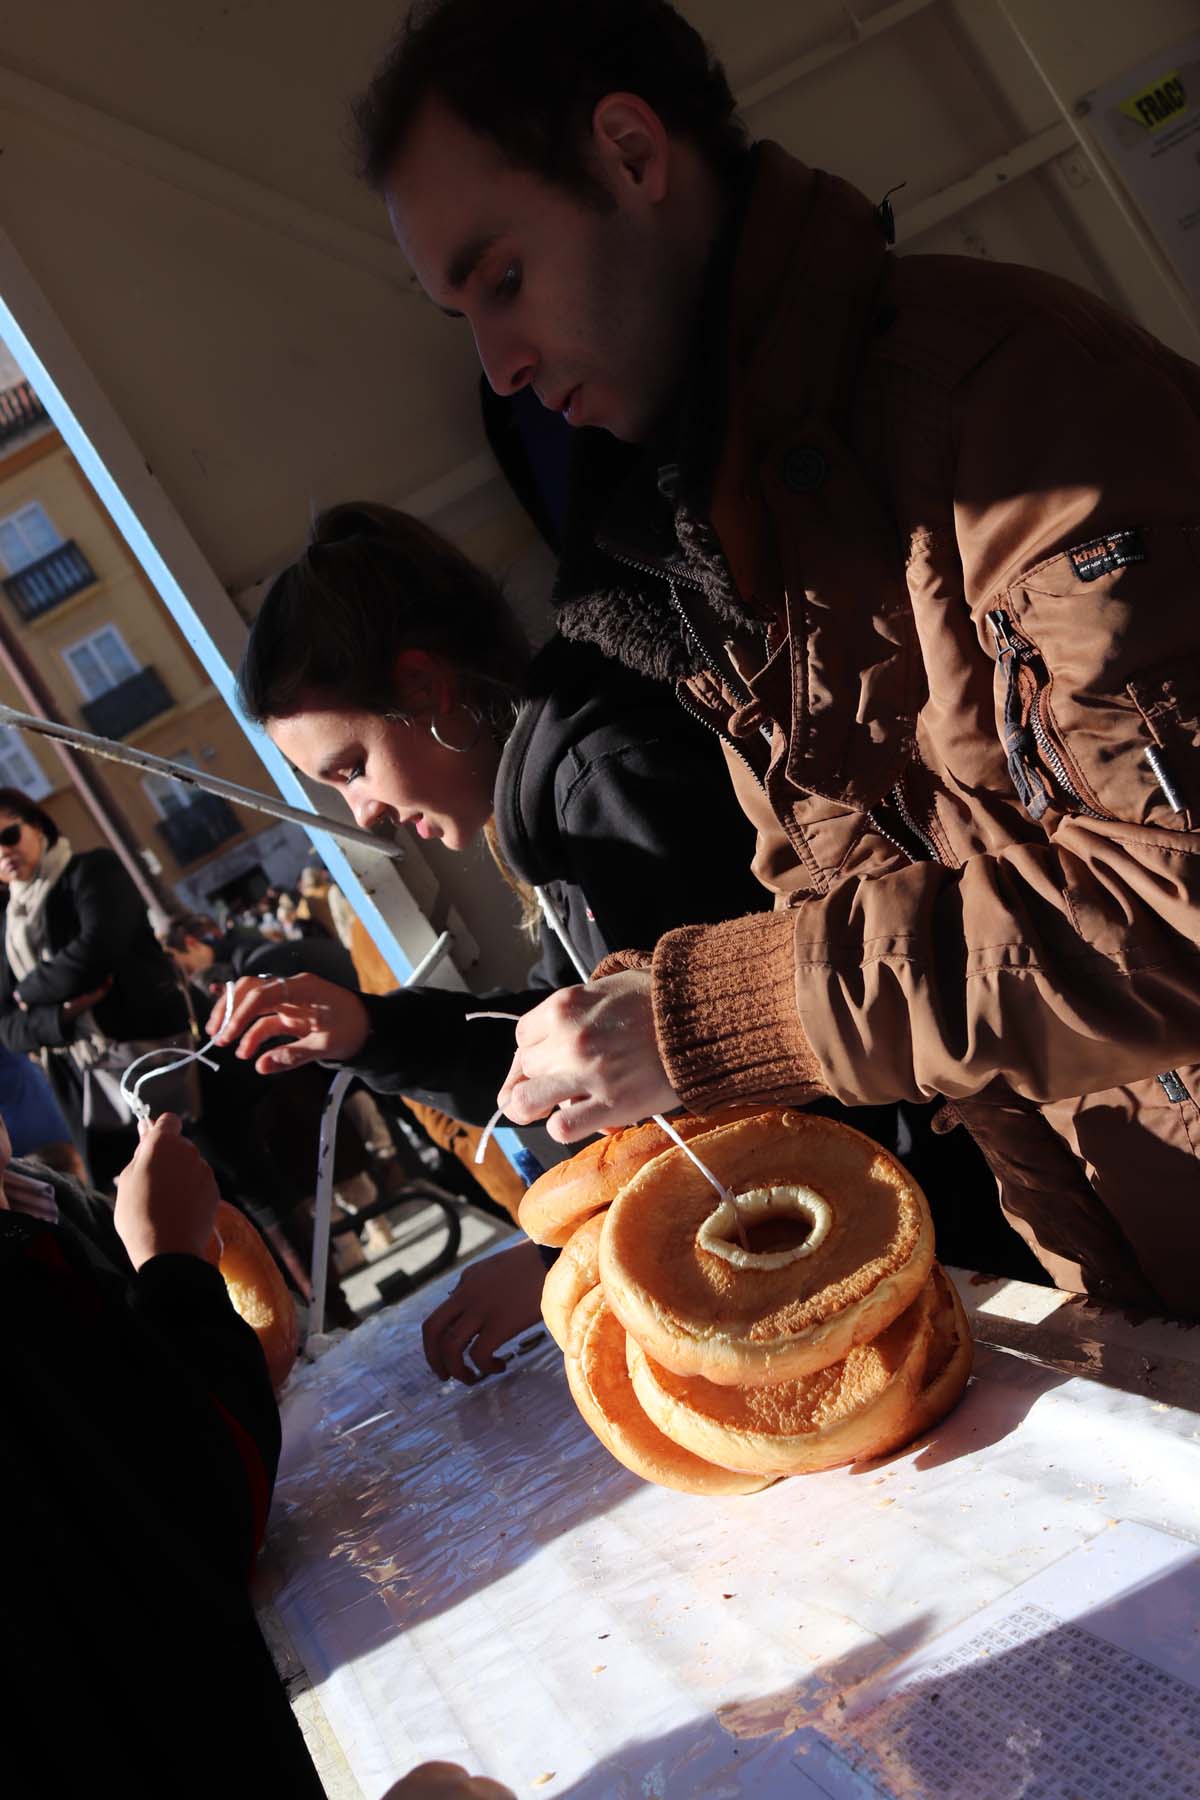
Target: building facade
[79,614]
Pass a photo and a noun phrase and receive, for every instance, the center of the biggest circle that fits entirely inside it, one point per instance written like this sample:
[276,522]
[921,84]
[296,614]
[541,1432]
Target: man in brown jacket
[920,538]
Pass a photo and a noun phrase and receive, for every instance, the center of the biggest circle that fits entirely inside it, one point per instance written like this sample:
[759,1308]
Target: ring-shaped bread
[841,1242]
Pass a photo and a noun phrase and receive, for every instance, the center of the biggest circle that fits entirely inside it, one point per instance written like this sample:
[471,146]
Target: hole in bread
[781,1231]
[781,1225]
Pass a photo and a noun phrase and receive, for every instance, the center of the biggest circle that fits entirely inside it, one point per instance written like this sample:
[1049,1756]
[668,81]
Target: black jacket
[618,803]
[244,951]
[96,926]
[138,1448]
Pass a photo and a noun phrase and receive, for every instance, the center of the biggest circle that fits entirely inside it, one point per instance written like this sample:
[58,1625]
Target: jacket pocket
[1043,770]
[1098,681]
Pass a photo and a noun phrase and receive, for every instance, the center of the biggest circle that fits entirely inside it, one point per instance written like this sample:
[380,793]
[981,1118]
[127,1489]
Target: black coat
[96,926]
[618,803]
[138,1451]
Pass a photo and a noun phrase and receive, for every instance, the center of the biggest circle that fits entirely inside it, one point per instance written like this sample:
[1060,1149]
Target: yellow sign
[1159,104]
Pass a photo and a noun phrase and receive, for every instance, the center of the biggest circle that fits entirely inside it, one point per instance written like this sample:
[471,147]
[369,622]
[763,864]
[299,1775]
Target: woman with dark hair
[387,665]
[82,977]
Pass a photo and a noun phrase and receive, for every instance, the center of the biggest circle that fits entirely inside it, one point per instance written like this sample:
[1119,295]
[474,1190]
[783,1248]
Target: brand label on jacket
[1100,556]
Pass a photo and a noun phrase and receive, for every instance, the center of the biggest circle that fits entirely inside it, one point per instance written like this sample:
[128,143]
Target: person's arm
[1066,963]
[415,1041]
[33,1028]
[110,915]
[165,1213]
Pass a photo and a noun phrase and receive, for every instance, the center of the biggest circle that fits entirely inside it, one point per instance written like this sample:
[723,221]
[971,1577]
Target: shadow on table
[988,1413]
[1041,1707]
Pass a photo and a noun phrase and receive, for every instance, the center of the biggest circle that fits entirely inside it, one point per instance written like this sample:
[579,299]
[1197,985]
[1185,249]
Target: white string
[131,1092]
[557,924]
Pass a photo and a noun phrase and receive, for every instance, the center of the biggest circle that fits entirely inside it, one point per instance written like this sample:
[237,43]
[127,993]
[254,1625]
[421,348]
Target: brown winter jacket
[945,577]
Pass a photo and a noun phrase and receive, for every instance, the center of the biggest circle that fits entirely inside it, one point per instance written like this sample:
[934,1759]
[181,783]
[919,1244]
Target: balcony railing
[20,411]
[39,586]
[194,830]
[130,704]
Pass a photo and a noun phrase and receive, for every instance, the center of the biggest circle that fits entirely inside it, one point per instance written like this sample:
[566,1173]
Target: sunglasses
[10,836]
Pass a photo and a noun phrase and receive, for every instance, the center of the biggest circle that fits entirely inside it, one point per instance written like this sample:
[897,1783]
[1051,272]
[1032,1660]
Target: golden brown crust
[840,1414]
[573,1191]
[599,1381]
[696,1314]
[258,1291]
[575,1274]
[947,1365]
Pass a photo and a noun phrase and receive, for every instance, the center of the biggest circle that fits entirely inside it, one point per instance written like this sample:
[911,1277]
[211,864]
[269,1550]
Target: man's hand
[326,1023]
[591,1053]
[166,1197]
[81,1003]
[447,1781]
[493,1301]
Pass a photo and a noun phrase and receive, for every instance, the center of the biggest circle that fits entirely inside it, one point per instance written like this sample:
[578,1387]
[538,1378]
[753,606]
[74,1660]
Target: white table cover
[467,1574]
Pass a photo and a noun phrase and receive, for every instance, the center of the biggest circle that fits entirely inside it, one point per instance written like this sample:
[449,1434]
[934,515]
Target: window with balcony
[100,662]
[42,569]
[118,695]
[192,823]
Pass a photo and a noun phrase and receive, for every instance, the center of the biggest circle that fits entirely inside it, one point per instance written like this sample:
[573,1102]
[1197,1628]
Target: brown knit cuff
[618,962]
[726,1016]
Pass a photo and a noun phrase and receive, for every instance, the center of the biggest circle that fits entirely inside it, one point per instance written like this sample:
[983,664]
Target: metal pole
[271,804]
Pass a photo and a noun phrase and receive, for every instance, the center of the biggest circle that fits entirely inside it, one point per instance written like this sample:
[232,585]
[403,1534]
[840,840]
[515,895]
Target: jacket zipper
[710,662]
[901,805]
[1021,737]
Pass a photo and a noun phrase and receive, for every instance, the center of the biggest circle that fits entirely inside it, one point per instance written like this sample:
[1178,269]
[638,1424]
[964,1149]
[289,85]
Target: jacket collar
[791,287]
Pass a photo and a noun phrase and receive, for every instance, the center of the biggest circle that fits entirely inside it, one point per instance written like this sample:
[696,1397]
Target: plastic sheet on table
[466,1574]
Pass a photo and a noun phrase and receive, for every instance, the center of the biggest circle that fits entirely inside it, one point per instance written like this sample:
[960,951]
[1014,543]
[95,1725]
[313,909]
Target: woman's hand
[325,1023]
[494,1300]
[589,1052]
[166,1196]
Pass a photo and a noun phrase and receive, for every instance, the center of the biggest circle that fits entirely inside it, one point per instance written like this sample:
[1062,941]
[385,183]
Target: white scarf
[25,919]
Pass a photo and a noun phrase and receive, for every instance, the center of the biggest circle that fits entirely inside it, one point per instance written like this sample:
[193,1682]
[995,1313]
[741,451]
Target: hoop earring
[476,719]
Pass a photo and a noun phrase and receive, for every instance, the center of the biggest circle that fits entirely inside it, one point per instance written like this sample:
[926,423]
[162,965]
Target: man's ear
[633,146]
[424,685]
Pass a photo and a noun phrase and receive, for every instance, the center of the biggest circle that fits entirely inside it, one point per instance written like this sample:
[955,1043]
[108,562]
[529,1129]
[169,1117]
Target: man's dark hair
[529,73]
[13,801]
[188,925]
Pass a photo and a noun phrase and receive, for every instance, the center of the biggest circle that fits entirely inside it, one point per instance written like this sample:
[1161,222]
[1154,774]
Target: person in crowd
[894,528]
[386,665]
[83,979]
[262,1137]
[137,1456]
[208,956]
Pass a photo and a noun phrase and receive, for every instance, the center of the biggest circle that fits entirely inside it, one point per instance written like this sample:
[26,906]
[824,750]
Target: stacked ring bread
[257,1290]
[713,1344]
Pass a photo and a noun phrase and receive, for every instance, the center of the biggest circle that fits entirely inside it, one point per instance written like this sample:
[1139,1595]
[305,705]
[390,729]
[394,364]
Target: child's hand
[493,1301]
[166,1197]
[446,1781]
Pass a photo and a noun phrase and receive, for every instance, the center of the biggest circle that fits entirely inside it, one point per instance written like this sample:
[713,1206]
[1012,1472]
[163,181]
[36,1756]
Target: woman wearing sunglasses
[83,978]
